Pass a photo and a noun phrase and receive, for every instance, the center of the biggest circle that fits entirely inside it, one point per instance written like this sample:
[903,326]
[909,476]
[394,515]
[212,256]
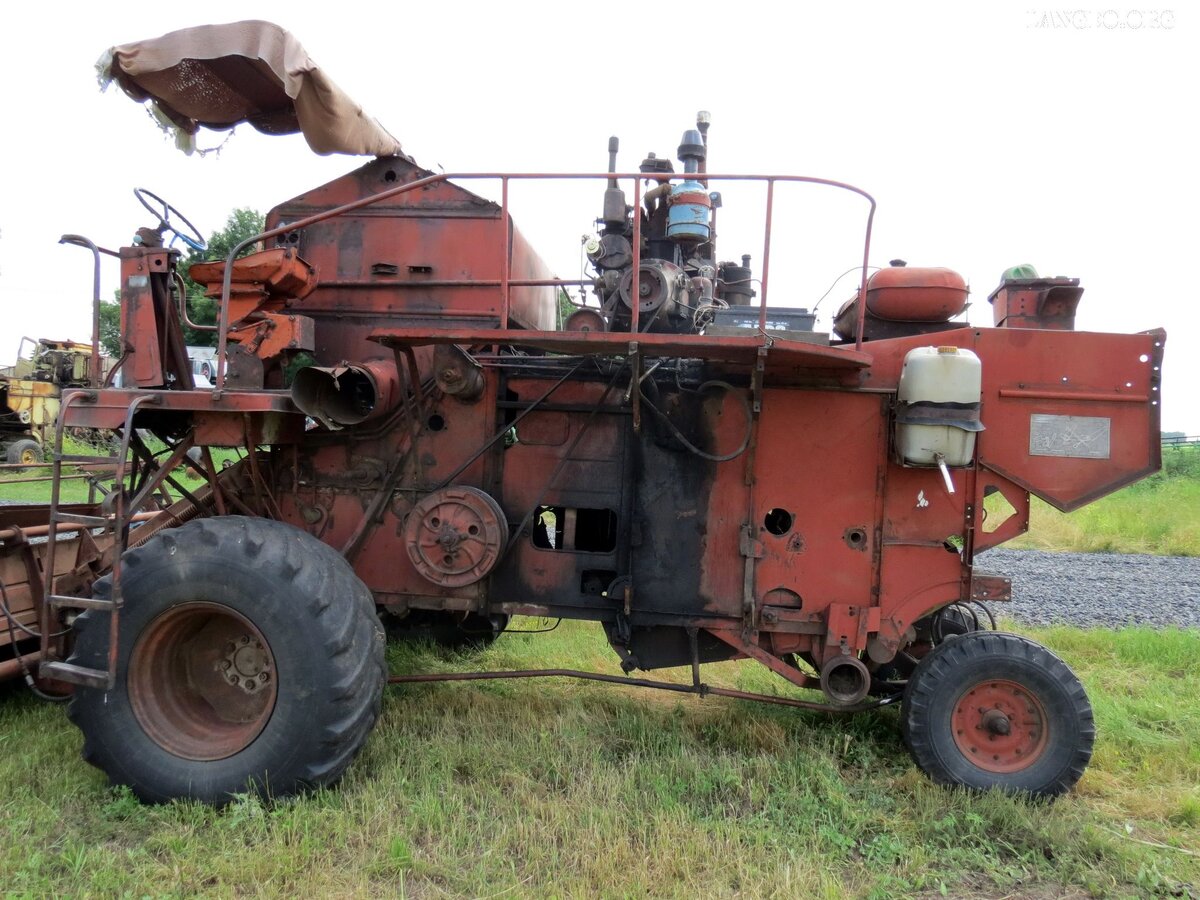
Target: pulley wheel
[456,535]
[656,286]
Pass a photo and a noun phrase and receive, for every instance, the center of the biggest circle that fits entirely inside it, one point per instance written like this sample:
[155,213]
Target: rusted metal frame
[750,547]
[414,377]
[505,261]
[144,452]
[39,478]
[770,660]
[583,429]
[210,475]
[498,435]
[1018,393]
[372,513]
[970,515]
[52,531]
[78,240]
[453,283]
[694,688]
[261,488]
[635,287]
[862,287]
[766,263]
[634,394]
[223,310]
[157,473]
[884,440]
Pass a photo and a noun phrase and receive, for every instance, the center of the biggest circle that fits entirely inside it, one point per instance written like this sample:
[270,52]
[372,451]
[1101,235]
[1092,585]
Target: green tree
[241,224]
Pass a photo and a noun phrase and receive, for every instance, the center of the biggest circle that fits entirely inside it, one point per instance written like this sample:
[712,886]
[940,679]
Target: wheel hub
[1000,726]
[246,664]
[201,681]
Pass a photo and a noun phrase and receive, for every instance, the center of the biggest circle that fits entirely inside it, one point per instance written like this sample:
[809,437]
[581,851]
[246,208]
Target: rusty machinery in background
[682,462]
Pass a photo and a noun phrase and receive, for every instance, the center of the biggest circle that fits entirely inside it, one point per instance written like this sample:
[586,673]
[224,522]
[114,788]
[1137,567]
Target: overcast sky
[990,135]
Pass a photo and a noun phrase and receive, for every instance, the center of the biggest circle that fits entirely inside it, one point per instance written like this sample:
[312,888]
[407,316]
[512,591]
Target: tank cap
[947,350]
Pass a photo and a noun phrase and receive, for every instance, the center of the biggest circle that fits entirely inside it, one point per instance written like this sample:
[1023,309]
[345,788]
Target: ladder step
[76,458]
[62,602]
[61,671]
[72,518]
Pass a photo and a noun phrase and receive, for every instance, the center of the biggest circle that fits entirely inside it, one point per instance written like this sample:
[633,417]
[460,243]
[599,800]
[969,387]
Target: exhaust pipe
[346,395]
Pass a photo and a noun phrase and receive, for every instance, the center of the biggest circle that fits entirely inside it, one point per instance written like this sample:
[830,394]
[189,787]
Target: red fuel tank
[918,294]
[900,294]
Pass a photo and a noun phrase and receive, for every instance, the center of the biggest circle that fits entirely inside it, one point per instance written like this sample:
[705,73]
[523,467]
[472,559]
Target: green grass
[31,485]
[1159,515]
[574,789]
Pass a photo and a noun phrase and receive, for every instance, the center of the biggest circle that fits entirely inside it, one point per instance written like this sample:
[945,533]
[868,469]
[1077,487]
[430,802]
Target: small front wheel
[994,710]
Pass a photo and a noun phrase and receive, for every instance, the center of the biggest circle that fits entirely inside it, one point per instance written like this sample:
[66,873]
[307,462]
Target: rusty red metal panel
[818,461]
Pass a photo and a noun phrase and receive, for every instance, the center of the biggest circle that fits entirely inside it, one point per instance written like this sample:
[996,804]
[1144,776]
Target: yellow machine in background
[30,392]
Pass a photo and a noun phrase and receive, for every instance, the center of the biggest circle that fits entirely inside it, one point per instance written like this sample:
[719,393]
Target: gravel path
[1090,589]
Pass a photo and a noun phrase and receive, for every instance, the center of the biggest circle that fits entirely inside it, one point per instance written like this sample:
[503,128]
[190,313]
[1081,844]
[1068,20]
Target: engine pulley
[456,535]
[660,283]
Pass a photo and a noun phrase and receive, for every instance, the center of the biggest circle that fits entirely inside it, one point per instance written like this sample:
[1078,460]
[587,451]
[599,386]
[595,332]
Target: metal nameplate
[1080,437]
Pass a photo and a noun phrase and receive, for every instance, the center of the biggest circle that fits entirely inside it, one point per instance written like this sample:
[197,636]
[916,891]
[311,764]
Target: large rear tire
[250,660]
[994,710]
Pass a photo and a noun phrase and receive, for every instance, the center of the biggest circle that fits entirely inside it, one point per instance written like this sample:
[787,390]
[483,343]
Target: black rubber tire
[318,620]
[23,447]
[954,667]
[454,632]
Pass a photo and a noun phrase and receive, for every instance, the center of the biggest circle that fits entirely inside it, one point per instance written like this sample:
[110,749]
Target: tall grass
[558,788]
[1159,515]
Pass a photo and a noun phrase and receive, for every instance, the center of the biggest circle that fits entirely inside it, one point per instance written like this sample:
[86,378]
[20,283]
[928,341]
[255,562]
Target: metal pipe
[766,263]
[80,241]
[700,689]
[10,668]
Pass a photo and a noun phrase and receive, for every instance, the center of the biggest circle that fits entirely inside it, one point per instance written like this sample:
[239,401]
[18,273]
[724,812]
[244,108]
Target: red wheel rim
[1000,726]
[202,681]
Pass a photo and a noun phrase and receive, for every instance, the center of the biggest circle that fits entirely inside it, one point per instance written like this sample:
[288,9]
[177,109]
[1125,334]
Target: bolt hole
[435,422]
[857,536]
[778,521]
[473,529]
[389,175]
[435,521]
[1143,358]
[448,559]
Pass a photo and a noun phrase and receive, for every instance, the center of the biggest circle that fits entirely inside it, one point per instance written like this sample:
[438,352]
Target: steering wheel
[164,211]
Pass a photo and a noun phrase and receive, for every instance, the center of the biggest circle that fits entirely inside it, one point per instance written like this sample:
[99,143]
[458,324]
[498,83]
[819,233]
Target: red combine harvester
[692,468]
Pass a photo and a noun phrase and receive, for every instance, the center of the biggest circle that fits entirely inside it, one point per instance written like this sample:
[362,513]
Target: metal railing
[506,282]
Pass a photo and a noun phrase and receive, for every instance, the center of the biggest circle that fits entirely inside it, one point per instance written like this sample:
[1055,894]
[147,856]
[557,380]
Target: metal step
[60,601]
[61,671]
[69,458]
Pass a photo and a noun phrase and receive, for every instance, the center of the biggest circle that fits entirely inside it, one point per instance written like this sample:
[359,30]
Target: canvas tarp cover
[217,76]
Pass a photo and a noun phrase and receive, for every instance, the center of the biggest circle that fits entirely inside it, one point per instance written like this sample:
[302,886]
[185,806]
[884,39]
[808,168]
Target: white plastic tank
[938,412]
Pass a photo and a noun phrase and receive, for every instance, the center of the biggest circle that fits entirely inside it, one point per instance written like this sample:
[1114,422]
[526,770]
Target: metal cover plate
[1080,437]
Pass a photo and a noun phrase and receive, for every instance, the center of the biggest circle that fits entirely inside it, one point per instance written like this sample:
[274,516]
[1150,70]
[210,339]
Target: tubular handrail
[505,281]
[78,240]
